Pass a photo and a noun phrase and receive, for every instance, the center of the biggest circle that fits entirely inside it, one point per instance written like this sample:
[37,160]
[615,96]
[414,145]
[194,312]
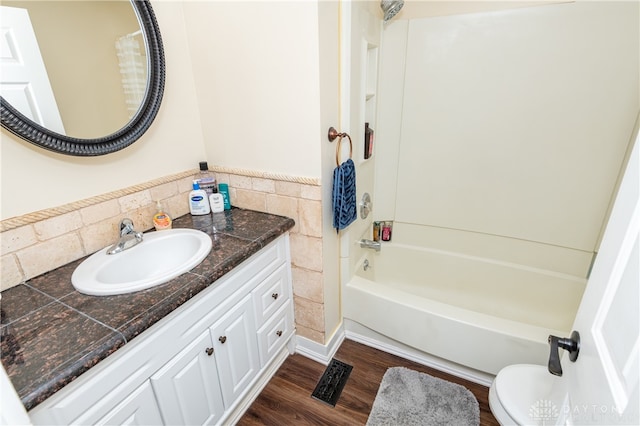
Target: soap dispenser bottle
[198,201]
[161,220]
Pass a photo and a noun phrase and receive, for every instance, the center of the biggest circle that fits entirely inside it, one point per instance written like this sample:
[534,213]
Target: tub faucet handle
[571,344]
[365,205]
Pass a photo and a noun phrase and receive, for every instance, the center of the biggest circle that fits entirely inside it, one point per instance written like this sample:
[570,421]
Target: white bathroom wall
[256,66]
[504,129]
[329,66]
[361,43]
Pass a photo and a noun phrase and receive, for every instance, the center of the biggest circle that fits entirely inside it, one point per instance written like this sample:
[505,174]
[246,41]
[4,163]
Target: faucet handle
[365,205]
[571,344]
[126,227]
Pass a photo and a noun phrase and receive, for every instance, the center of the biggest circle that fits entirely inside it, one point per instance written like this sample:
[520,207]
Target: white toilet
[525,394]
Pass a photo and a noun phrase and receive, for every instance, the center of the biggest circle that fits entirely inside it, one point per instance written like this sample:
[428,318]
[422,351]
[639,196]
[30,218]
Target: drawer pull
[275,296]
[279,333]
[209,351]
[222,339]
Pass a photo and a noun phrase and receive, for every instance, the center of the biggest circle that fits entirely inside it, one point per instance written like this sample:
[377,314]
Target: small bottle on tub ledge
[387,228]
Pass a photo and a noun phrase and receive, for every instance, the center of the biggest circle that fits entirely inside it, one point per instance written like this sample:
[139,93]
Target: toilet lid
[524,390]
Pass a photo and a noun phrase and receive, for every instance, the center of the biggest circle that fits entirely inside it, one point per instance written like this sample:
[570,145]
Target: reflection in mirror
[101,73]
[94,56]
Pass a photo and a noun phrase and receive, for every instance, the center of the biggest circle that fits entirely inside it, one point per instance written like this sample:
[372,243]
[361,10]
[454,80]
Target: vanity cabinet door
[187,387]
[275,333]
[139,408]
[271,294]
[235,343]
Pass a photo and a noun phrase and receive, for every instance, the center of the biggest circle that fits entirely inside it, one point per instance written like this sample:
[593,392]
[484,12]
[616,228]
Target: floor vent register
[332,382]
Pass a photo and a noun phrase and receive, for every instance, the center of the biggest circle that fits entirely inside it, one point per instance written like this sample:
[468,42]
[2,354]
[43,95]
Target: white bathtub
[480,313]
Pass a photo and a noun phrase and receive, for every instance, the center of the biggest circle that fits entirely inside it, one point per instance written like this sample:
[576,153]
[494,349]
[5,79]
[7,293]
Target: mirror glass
[91,73]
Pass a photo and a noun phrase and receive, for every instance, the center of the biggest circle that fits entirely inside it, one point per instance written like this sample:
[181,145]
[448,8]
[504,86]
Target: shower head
[390,8]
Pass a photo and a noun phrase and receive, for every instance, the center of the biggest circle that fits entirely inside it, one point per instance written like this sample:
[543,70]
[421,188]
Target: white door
[603,382]
[24,82]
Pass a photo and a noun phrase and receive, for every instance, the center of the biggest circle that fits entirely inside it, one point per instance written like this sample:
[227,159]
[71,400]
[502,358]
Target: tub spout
[370,244]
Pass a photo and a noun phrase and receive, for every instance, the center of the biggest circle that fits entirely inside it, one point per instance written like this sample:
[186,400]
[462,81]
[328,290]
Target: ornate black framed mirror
[141,117]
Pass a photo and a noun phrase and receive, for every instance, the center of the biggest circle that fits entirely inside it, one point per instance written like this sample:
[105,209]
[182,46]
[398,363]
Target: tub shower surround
[39,242]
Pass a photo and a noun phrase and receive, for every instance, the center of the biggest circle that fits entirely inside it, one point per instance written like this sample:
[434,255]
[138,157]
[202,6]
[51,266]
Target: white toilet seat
[518,391]
[496,408]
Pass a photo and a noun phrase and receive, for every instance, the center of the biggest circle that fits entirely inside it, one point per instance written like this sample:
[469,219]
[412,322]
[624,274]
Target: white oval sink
[160,257]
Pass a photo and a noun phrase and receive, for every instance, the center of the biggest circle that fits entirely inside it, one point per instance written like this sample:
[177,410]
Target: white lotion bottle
[217,202]
[198,201]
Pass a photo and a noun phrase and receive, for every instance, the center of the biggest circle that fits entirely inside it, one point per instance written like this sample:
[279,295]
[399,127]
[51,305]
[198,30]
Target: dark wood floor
[287,398]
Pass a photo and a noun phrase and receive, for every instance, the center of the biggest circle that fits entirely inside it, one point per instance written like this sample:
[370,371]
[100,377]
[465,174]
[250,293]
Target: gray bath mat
[408,397]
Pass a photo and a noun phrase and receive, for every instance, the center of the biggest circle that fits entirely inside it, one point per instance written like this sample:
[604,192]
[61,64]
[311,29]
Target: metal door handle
[570,344]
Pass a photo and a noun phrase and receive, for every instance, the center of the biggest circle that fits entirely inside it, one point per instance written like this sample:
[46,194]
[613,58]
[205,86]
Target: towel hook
[333,134]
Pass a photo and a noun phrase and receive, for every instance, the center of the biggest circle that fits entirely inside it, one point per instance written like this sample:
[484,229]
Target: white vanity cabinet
[202,364]
[274,320]
[187,387]
[139,408]
[236,348]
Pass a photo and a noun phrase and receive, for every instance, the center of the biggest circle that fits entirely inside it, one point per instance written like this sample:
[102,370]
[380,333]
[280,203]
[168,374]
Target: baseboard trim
[361,334]
[358,333]
[318,352]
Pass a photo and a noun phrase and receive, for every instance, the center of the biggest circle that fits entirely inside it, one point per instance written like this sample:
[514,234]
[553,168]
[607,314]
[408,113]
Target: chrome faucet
[370,244]
[129,237]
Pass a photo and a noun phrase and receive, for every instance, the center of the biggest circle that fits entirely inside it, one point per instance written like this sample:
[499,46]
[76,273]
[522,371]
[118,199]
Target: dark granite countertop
[51,333]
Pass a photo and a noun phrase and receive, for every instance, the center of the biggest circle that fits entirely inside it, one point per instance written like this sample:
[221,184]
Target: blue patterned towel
[344,195]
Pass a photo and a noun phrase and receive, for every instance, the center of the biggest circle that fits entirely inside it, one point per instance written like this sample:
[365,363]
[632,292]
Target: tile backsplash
[42,241]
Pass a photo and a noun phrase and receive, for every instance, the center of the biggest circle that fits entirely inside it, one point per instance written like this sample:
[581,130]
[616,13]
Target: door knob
[209,351]
[570,344]
[222,339]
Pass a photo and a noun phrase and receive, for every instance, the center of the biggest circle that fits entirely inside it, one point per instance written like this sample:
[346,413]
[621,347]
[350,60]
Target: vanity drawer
[275,333]
[271,294]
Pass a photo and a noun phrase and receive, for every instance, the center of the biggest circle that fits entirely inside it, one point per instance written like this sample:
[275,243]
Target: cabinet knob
[274,295]
[279,333]
[222,339]
[209,351]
